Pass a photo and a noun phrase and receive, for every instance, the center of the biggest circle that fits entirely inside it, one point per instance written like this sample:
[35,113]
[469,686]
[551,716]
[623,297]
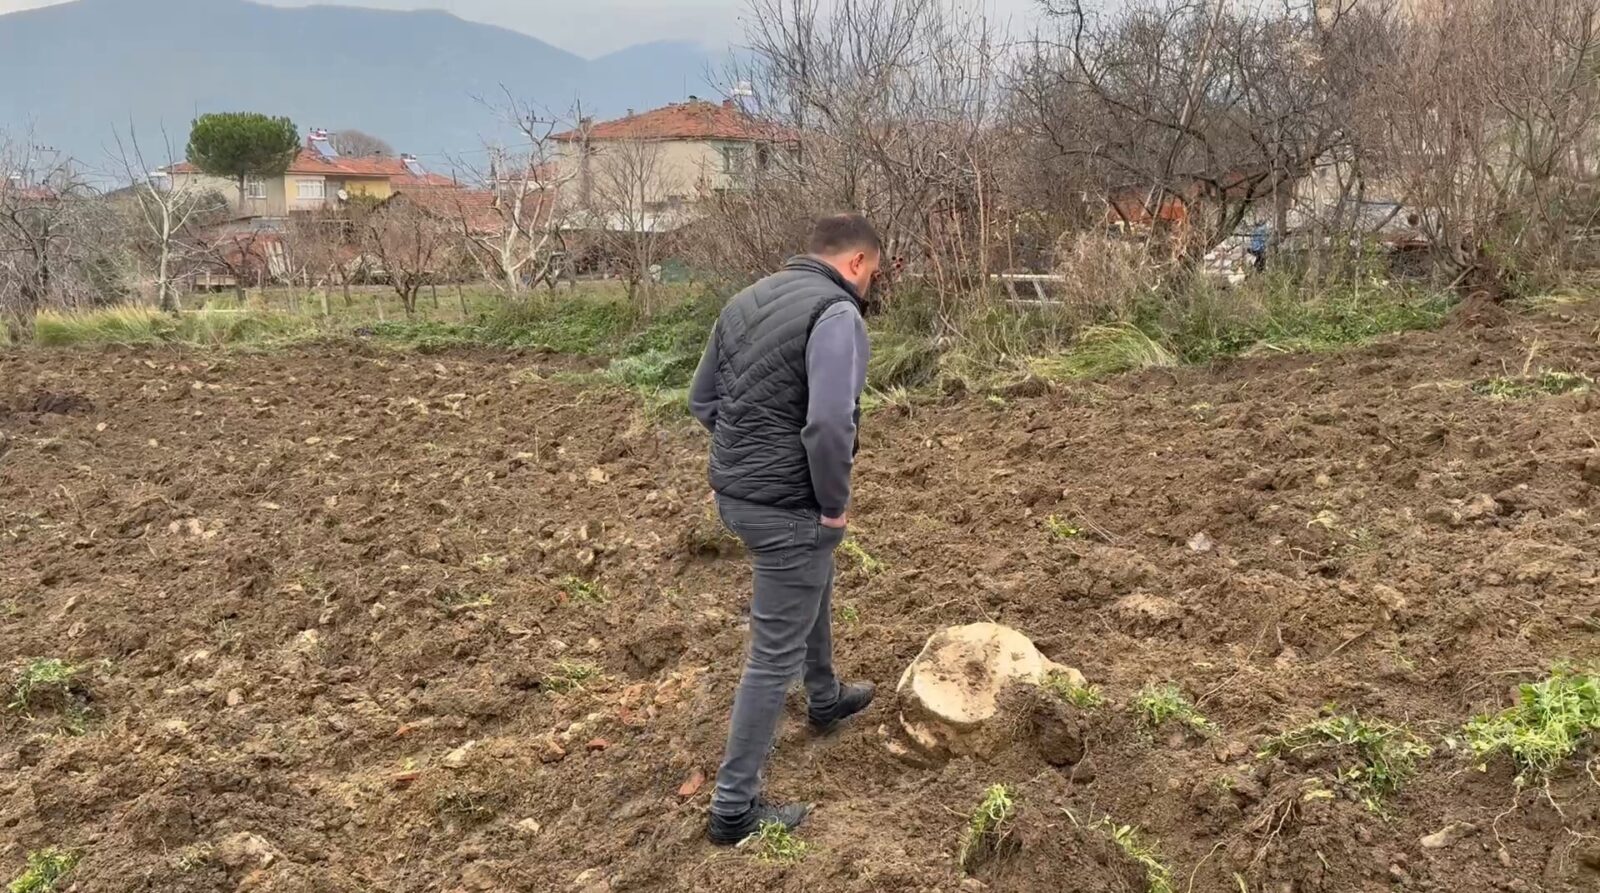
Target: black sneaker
[853,699]
[727,832]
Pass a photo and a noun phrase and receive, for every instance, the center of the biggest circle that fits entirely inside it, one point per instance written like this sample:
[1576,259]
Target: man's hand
[838,523]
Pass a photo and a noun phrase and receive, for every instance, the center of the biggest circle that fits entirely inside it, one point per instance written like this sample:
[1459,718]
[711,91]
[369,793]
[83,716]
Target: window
[255,187]
[734,159]
[310,190]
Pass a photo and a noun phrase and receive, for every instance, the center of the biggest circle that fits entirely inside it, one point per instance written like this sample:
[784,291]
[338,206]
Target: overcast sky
[591,27]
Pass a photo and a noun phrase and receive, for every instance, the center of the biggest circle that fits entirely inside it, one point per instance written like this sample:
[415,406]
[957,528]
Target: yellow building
[318,178]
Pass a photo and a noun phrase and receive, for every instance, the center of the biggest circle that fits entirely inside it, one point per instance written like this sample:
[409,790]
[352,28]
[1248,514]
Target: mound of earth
[296,586]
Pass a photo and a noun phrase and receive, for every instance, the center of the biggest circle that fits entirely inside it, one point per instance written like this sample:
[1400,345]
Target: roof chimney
[630,113]
[727,103]
[693,98]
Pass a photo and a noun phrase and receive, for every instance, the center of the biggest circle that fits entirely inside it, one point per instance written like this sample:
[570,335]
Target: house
[668,156]
[318,178]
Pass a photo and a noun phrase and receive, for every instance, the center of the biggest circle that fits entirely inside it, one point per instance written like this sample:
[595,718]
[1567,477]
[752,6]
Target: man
[1258,247]
[779,388]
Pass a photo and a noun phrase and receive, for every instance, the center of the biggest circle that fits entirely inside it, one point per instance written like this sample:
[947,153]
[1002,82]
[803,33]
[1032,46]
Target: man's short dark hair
[839,233]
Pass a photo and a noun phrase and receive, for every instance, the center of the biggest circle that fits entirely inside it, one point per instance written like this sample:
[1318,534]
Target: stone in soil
[950,692]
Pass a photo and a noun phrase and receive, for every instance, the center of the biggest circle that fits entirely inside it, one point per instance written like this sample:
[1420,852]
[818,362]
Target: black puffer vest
[756,452]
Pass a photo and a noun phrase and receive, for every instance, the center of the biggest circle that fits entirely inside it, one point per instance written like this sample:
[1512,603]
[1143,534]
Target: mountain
[76,73]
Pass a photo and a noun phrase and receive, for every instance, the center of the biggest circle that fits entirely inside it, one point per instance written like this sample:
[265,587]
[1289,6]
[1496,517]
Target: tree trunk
[163,283]
[345,283]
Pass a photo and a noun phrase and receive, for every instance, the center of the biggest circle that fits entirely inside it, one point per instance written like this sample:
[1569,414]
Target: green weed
[1084,697]
[1105,350]
[45,869]
[849,614]
[989,826]
[858,555]
[1160,704]
[775,842]
[1548,383]
[584,592]
[569,676]
[39,678]
[1157,874]
[1550,721]
[1062,529]
[1381,757]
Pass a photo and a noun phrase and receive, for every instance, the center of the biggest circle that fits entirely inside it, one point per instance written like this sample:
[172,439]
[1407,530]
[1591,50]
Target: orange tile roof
[693,120]
[372,167]
[476,208]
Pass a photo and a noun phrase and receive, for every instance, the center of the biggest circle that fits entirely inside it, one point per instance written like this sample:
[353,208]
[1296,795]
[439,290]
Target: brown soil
[302,582]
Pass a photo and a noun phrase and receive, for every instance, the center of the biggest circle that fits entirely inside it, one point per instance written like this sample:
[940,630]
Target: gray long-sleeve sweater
[836,373]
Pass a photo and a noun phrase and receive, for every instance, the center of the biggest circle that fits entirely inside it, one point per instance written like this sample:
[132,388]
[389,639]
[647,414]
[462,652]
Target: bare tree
[1205,110]
[1484,120]
[241,253]
[887,107]
[163,209]
[358,143]
[631,202]
[322,247]
[56,242]
[410,244]
[515,235]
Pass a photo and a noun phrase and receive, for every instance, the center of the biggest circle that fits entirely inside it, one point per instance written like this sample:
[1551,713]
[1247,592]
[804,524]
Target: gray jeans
[791,626]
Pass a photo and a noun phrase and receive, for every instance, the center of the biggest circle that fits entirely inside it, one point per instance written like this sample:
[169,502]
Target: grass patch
[45,869]
[775,842]
[569,676]
[125,324]
[1105,350]
[861,558]
[41,678]
[584,592]
[989,827]
[1084,697]
[849,613]
[1062,529]
[1550,721]
[1378,757]
[902,361]
[1548,383]
[1158,705]
[1281,313]
[578,327]
[1157,874]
